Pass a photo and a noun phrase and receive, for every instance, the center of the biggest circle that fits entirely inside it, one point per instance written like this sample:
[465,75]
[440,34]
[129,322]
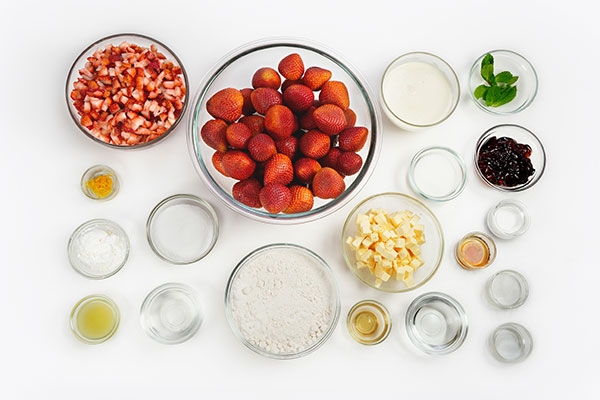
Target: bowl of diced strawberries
[392,242]
[127,91]
[284,131]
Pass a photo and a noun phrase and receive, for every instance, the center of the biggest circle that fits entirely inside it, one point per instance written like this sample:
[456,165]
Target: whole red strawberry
[238,135]
[247,108]
[238,164]
[288,146]
[256,123]
[314,144]
[213,133]
[328,184]
[349,163]
[261,147]
[302,200]
[353,139]
[266,77]
[315,77]
[278,169]
[291,67]
[217,161]
[330,119]
[298,98]
[226,104]
[264,98]
[305,169]
[280,122]
[247,192]
[334,92]
[275,197]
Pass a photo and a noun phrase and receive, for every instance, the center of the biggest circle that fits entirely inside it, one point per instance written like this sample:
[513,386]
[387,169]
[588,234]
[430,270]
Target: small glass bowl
[171,313]
[436,323]
[91,299]
[94,172]
[116,39]
[527,84]
[433,167]
[523,136]
[328,276]
[510,343]
[182,229]
[483,239]
[235,70]
[436,62]
[73,249]
[507,289]
[432,250]
[508,219]
[383,325]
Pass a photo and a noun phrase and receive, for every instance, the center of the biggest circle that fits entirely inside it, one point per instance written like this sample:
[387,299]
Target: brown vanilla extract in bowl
[475,250]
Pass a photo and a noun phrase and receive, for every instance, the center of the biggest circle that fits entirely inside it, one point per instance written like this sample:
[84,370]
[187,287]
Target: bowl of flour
[282,301]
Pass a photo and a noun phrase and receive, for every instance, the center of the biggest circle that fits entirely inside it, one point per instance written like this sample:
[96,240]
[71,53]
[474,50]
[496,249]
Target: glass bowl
[324,271]
[436,323]
[235,70]
[508,219]
[182,229]
[437,173]
[527,84]
[94,172]
[522,136]
[97,230]
[507,289]
[377,311]
[510,343]
[81,305]
[170,314]
[432,250]
[440,65]
[485,243]
[116,39]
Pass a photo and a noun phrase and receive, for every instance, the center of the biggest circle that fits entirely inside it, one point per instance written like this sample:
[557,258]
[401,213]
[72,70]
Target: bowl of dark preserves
[510,158]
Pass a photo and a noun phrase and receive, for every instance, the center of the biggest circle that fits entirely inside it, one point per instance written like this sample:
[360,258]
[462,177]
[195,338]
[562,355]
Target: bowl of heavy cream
[419,90]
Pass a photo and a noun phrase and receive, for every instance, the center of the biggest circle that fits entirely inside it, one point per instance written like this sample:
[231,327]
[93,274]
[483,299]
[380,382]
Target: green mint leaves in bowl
[499,89]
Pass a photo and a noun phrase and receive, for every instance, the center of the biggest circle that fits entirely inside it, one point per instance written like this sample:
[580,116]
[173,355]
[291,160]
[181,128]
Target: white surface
[43,156]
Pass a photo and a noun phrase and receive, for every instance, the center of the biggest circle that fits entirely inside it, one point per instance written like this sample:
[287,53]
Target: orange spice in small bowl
[475,250]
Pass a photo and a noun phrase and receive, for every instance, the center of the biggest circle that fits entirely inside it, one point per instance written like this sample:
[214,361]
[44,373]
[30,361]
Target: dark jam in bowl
[504,162]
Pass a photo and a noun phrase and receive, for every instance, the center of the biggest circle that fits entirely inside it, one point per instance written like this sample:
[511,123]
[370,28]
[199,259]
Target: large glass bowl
[431,251]
[134,38]
[236,70]
[328,276]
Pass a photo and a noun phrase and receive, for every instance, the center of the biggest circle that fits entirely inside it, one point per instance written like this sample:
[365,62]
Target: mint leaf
[488,59]
[480,91]
[492,95]
[507,95]
[504,77]
[512,80]
[487,73]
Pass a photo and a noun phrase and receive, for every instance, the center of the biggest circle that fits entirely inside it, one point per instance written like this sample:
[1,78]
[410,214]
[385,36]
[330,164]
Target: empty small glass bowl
[431,251]
[388,92]
[235,70]
[437,173]
[98,248]
[369,322]
[436,323]
[522,136]
[510,343]
[182,229]
[100,324]
[94,172]
[171,313]
[117,39]
[508,219]
[527,84]
[507,289]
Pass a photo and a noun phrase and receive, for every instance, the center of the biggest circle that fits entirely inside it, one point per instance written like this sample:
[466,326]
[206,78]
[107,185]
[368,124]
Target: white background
[43,156]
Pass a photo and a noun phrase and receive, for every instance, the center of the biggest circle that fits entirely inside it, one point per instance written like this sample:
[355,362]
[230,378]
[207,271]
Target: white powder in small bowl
[98,248]
[283,300]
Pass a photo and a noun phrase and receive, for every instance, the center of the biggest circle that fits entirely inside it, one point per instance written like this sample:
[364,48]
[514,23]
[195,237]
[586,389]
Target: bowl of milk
[419,90]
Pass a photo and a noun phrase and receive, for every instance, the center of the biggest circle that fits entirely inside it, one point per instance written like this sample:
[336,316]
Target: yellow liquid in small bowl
[95,320]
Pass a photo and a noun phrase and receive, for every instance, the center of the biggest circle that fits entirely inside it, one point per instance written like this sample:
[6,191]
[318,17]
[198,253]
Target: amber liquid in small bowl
[475,251]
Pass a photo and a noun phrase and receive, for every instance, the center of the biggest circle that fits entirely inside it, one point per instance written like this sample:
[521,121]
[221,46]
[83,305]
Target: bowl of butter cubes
[392,242]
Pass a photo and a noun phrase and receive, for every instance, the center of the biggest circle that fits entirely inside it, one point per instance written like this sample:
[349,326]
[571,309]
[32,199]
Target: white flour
[100,252]
[282,301]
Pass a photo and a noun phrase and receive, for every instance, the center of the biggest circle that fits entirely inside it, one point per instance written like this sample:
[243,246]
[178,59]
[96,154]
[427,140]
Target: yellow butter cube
[415,220]
[389,245]
[420,239]
[399,243]
[403,228]
[378,282]
[377,258]
[413,247]
[416,263]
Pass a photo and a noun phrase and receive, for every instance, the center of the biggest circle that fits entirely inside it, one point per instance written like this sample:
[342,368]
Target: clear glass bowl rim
[524,332]
[413,163]
[522,282]
[87,299]
[157,291]
[415,305]
[78,230]
[496,230]
[316,213]
[424,53]
[332,279]
[85,53]
[436,223]
[383,310]
[201,203]
[482,139]
[475,70]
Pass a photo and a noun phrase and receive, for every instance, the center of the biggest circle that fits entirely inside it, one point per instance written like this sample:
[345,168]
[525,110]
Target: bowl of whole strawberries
[284,131]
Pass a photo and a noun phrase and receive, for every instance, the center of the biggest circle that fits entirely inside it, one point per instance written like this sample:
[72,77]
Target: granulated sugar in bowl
[282,301]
